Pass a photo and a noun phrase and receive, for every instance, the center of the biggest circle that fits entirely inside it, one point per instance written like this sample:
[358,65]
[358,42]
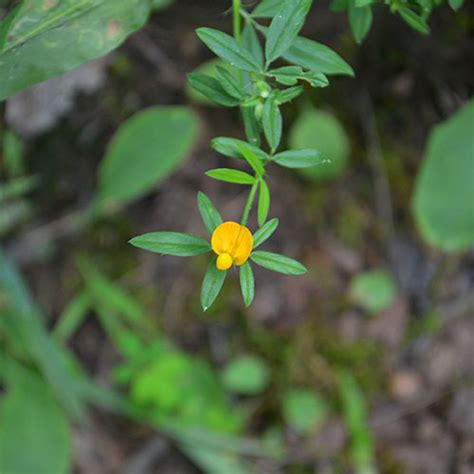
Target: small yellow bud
[224,261]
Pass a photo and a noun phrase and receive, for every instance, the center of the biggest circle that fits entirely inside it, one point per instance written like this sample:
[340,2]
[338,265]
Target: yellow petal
[233,239]
[224,261]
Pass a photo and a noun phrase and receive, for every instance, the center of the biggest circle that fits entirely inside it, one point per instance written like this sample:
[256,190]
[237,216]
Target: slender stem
[236,8]
[250,200]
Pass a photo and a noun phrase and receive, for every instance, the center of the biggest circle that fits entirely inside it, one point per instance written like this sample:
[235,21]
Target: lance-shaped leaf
[230,83]
[44,39]
[272,122]
[360,19]
[247,283]
[265,232]
[227,48]
[210,215]
[287,75]
[285,27]
[251,43]
[212,89]
[300,158]
[267,8]
[263,203]
[277,263]
[252,159]
[231,176]
[287,95]
[212,285]
[252,127]
[231,147]
[172,243]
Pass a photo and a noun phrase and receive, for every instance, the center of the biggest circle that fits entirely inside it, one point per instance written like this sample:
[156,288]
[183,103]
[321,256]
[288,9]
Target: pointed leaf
[172,243]
[360,19]
[287,95]
[228,49]
[287,75]
[252,159]
[212,284]
[251,43]
[247,283]
[277,263]
[252,127]
[272,123]
[267,8]
[210,215]
[230,83]
[263,203]
[265,232]
[231,176]
[230,147]
[211,89]
[300,158]
[285,27]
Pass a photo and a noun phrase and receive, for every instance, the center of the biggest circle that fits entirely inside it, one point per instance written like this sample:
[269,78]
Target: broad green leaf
[374,290]
[246,375]
[443,202]
[285,27]
[287,95]
[251,43]
[355,414]
[252,159]
[300,158]
[252,127]
[225,46]
[231,147]
[210,215]
[268,8]
[231,176]
[413,19]
[360,19]
[287,75]
[456,4]
[212,284]
[277,263]
[211,89]
[265,232]
[303,410]
[230,83]
[272,123]
[319,130]
[263,203]
[247,283]
[34,433]
[45,39]
[172,243]
[317,57]
[146,149]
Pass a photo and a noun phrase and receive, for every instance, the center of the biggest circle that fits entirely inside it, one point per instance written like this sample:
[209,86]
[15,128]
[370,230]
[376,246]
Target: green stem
[250,200]
[236,8]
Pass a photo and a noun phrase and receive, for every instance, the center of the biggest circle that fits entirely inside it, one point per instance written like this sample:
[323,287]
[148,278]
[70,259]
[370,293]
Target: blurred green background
[365,364]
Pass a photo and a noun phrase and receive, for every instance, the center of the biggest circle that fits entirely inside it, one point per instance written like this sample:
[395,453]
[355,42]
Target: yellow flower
[232,243]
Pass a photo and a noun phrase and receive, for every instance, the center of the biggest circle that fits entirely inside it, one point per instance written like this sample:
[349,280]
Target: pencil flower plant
[250,79]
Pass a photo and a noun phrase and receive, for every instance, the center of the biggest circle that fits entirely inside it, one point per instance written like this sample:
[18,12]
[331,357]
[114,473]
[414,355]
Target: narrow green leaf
[277,263]
[265,232]
[231,176]
[212,284]
[171,243]
[414,20]
[251,43]
[315,56]
[300,158]
[287,75]
[252,159]
[252,127]
[210,215]
[228,49]
[287,95]
[272,123]
[231,147]
[360,19]
[285,27]
[316,79]
[267,8]
[211,89]
[230,83]
[72,317]
[247,283]
[263,203]
[146,149]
